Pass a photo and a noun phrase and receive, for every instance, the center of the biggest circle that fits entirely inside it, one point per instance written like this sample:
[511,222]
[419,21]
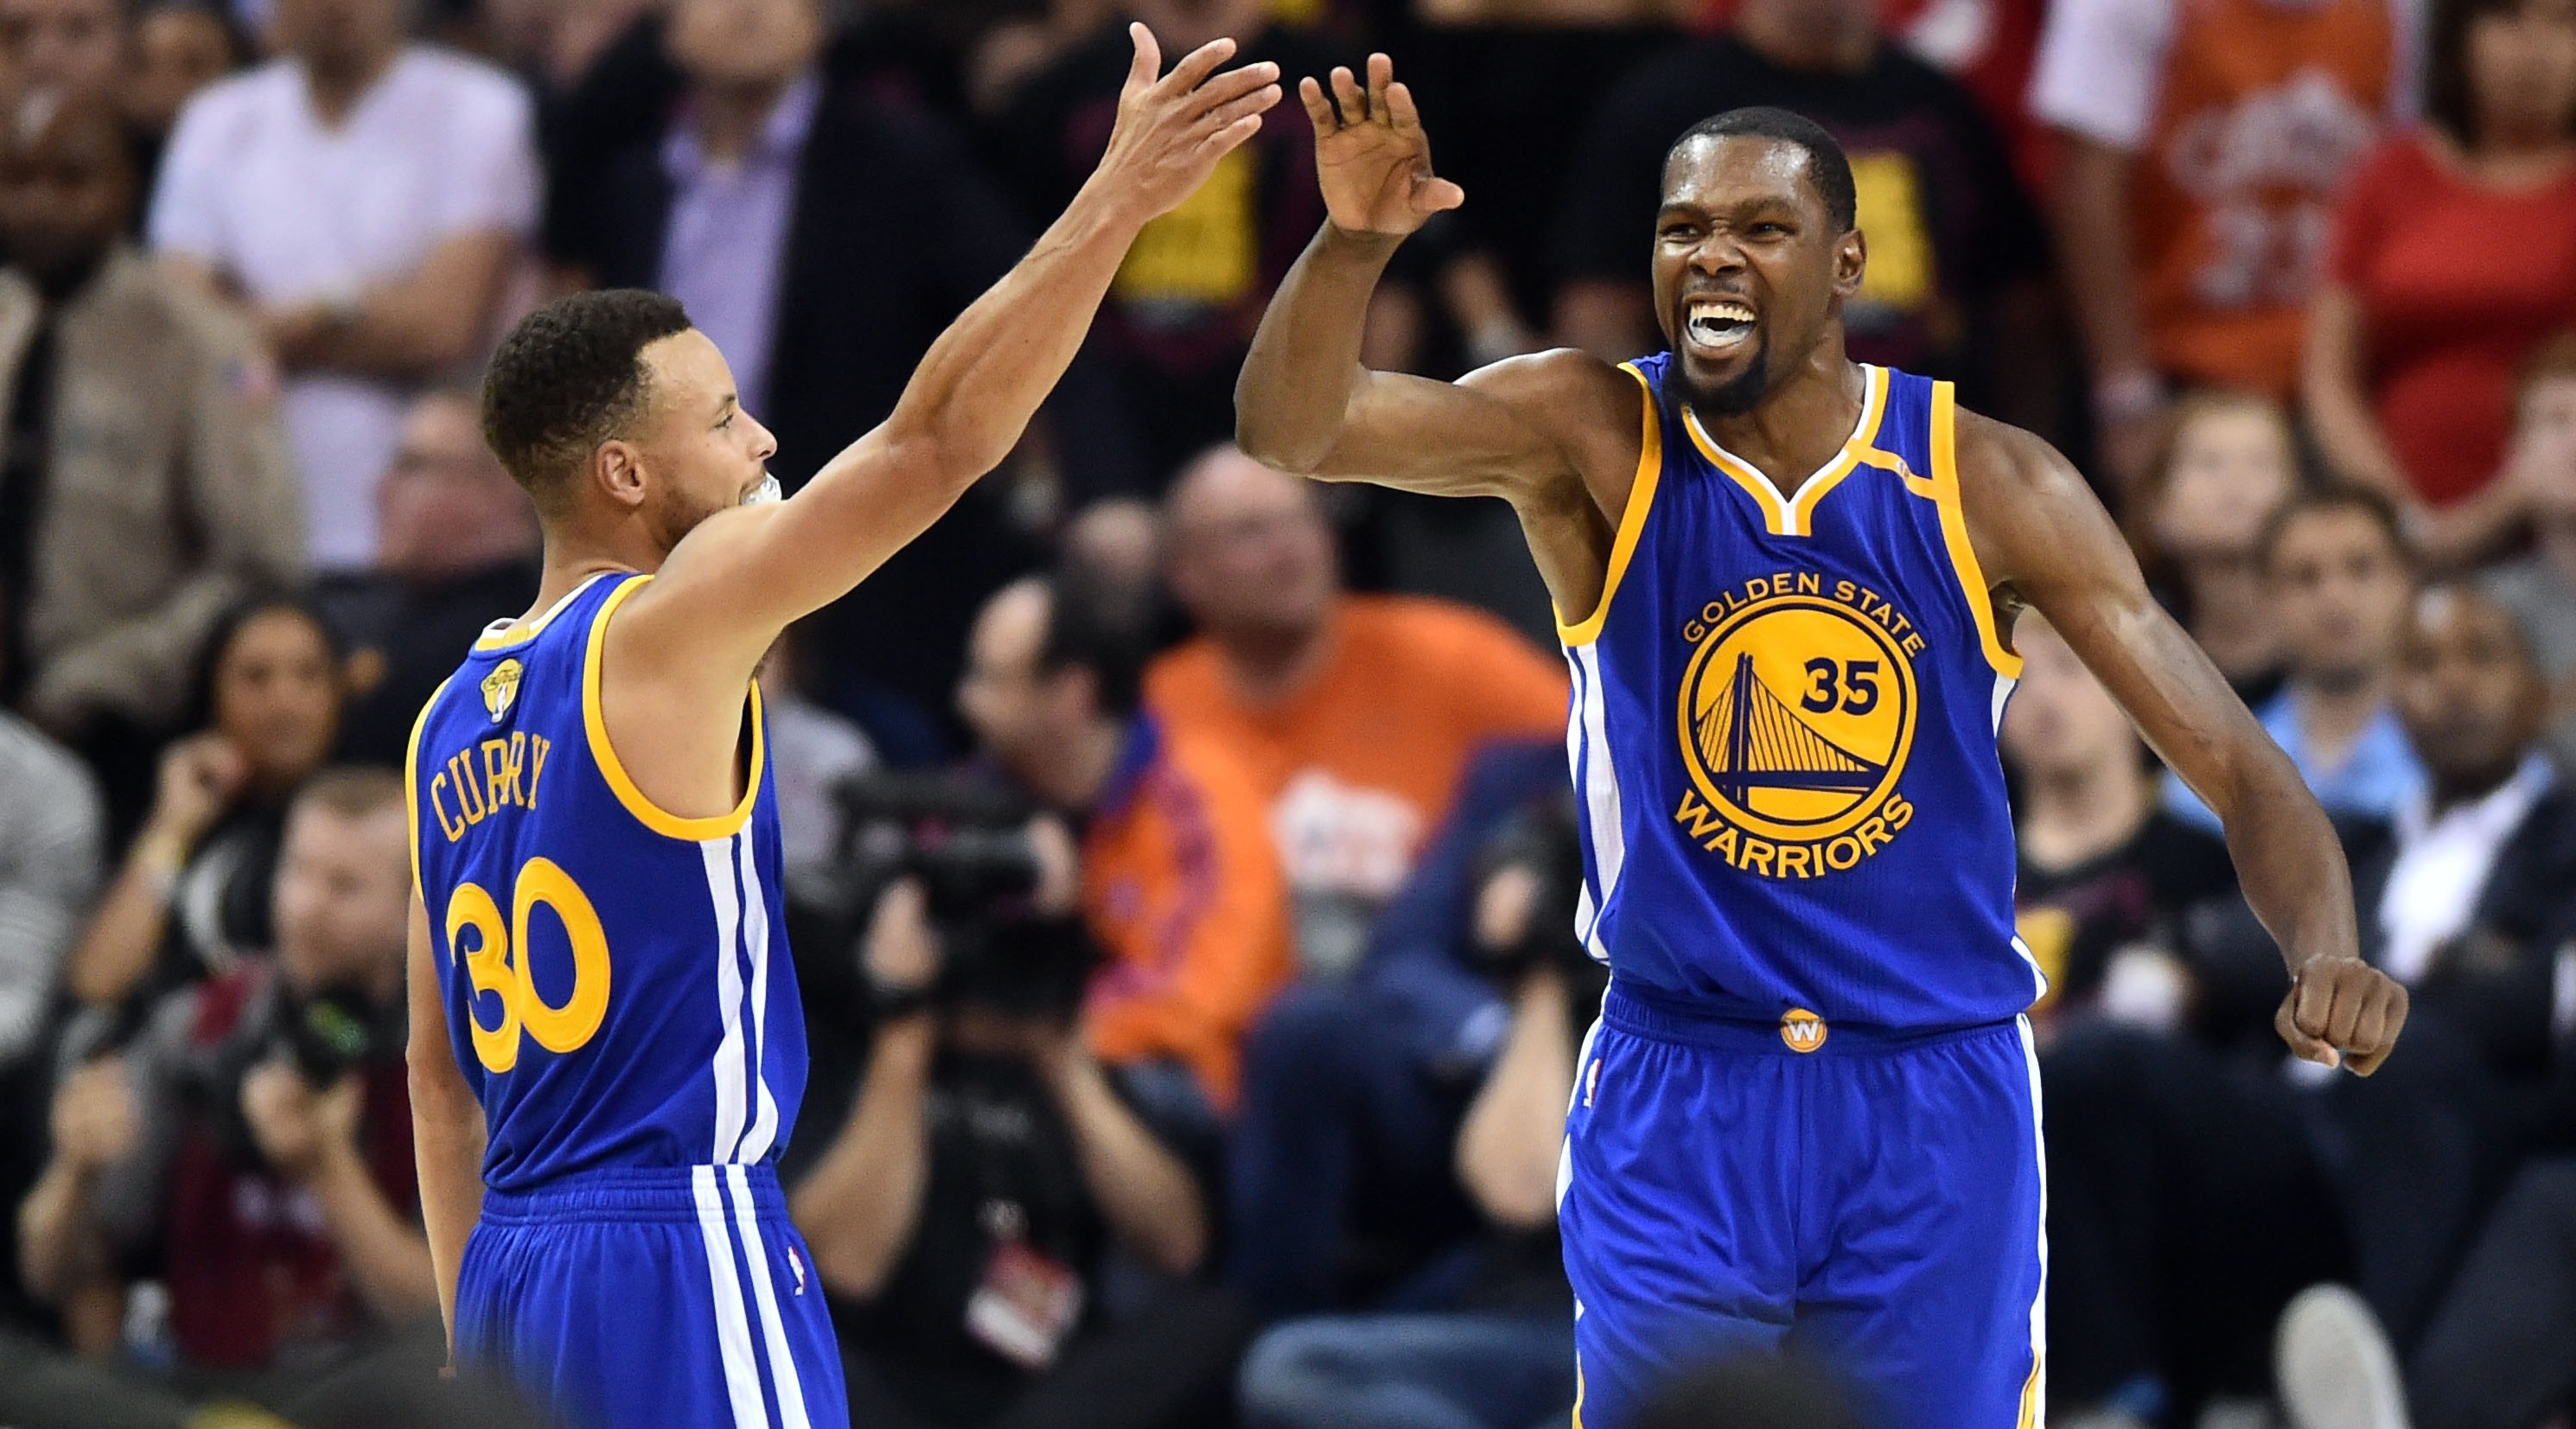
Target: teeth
[1719,309]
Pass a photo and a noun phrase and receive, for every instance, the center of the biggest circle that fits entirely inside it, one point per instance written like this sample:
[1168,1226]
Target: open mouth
[1716,327]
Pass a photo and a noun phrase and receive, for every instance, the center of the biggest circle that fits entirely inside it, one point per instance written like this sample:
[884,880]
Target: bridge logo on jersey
[501,687]
[1796,714]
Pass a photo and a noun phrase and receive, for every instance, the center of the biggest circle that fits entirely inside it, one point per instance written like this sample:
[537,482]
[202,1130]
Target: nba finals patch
[1796,714]
[501,687]
[1804,1031]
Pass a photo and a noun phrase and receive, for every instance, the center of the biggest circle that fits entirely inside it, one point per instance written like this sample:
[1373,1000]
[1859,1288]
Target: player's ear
[1851,258]
[617,469]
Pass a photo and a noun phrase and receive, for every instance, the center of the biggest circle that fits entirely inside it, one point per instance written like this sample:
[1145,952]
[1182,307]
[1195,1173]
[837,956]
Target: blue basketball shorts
[1873,1203]
[676,1298]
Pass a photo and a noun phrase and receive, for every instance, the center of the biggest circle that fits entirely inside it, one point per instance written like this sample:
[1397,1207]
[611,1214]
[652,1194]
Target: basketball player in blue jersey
[606,1052]
[1809,1115]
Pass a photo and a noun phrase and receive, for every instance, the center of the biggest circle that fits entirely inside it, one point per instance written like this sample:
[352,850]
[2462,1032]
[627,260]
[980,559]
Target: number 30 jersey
[617,982]
[1783,734]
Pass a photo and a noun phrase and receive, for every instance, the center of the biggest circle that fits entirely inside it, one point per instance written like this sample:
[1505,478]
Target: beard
[1735,396]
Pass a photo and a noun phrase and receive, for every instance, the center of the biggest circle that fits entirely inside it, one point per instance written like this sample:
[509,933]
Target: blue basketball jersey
[617,982]
[1783,733]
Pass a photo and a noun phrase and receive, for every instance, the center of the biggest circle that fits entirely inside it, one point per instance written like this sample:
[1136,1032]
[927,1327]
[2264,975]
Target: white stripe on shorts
[733,1327]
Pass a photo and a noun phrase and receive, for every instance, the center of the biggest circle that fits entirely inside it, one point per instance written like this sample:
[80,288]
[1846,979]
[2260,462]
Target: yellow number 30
[491,968]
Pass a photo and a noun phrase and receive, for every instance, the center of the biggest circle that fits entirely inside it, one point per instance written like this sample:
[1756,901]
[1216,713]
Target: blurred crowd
[1182,872]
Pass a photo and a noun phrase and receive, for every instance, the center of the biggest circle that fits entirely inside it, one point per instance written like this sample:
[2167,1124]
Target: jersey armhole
[1632,519]
[594,726]
[1954,532]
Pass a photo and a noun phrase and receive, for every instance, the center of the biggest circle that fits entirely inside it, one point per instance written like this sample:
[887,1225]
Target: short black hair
[1828,167]
[1091,626]
[568,377]
[2369,501]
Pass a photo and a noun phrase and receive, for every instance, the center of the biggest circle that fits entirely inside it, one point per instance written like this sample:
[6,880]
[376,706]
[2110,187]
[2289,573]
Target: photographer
[1496,1350]
[965,1215]
[1180,881]
[258,1127]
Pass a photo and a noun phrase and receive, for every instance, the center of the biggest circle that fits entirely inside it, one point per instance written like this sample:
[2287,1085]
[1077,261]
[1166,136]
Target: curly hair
[568,377]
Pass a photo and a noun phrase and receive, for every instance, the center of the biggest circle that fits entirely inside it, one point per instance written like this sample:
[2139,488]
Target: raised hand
[1372,158]
[1172,131]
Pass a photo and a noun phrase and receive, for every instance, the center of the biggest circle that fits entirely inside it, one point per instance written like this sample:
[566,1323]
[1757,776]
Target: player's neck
[2073,815]
[1800,423]
[570,561]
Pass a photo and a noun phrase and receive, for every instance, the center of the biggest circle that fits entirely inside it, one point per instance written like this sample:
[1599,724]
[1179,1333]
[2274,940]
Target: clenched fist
[2342,1011]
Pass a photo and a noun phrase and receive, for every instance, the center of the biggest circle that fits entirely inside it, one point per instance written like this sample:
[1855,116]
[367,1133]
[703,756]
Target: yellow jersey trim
[499,636]
[594,724]
[1632,519]
[1954,531]
[411,781]
[1795,515]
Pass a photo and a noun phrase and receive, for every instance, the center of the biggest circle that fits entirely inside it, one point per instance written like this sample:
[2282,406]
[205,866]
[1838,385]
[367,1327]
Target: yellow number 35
[491,968]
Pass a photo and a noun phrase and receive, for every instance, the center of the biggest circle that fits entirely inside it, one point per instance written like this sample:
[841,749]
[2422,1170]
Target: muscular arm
[736,580]
[1557,434]
[2041,538]
[446,1126]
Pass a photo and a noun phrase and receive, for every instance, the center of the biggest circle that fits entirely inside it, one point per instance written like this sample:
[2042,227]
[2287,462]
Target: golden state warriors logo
[1796,714]
[501,687]
[1804,1031]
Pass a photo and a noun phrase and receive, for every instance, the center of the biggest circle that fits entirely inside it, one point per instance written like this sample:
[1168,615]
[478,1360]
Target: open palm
[1372,158]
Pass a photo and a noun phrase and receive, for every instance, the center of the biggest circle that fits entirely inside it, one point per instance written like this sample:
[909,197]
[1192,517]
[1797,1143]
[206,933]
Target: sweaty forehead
[1718,172]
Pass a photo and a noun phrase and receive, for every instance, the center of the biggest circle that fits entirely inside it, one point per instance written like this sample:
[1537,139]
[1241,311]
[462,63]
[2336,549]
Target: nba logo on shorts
[1804,1031]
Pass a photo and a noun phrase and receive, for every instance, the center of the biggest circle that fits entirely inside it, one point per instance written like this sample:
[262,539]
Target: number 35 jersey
[616,978]
[1783,733]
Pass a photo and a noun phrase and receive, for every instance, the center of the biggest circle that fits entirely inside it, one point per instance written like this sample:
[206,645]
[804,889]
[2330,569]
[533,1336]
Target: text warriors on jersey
[1796,713]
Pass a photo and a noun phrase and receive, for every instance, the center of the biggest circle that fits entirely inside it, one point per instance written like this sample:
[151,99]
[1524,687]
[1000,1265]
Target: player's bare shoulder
[1592,412]
[2030,514]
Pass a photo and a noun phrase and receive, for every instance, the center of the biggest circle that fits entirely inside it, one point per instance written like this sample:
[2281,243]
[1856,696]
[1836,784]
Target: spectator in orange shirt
[1180,885]
[1355,714]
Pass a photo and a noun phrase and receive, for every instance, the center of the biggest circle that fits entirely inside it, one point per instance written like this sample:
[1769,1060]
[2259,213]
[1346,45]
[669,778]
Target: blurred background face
[2231,468]
[2339,591]
[342,896]
[1251,555]
[2466,688]
[2061,721]
[2522,69]
[277,696]
[177,51]
[1018,714]
[76,47]
[337,36]
[446,506]
[2545,435]
[66,190]
[745,42]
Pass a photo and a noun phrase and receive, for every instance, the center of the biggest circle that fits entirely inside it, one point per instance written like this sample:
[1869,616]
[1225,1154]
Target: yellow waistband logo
[1804,1031]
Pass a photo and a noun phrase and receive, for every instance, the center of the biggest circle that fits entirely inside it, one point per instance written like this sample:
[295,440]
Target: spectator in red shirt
[259,1127]
[2454,256]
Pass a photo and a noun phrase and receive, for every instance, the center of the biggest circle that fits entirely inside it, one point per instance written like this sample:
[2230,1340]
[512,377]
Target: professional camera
[967,843]
[1542,840]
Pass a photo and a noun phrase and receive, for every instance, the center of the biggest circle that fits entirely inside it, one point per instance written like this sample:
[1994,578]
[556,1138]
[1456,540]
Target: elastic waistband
[642,1193]
[1646,1012]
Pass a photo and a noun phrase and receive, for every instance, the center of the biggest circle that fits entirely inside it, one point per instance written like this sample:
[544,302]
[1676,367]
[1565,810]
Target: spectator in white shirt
[366,197]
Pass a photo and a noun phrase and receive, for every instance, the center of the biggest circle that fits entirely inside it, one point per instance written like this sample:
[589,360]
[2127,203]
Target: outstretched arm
[2042,538]
[736,580]
[1557,433]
